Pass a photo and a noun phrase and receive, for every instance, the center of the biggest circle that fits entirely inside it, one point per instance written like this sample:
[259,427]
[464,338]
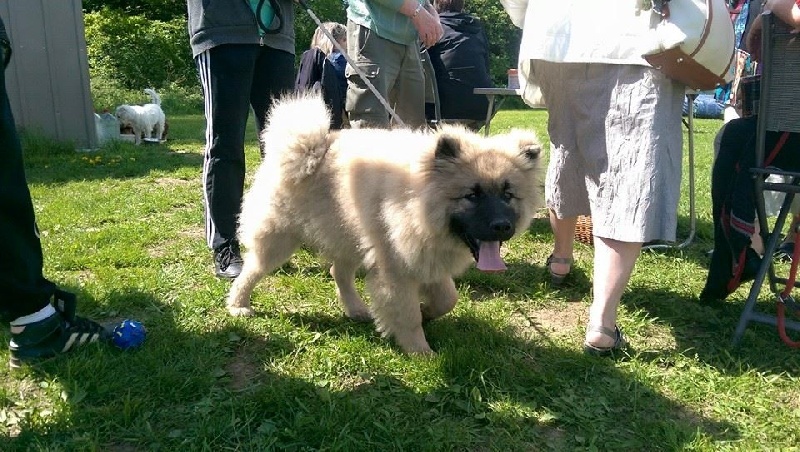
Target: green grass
[123,228]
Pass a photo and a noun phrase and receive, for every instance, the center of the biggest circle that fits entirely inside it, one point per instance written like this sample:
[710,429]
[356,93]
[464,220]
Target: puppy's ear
[448,147]
[530,151]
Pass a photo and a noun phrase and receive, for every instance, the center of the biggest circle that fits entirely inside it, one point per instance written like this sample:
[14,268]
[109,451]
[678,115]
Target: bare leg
[268,253]
[564,236]
[396,309]
[344,273]
[613,264]
[438,298]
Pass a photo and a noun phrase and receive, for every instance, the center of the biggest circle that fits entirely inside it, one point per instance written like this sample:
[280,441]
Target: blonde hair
[320,41]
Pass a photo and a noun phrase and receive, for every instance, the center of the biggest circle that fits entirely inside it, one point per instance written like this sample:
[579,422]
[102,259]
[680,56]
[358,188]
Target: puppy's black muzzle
[487,218]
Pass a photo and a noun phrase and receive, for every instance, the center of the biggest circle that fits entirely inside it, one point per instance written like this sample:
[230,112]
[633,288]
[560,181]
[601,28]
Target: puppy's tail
[297,135]
[154,97]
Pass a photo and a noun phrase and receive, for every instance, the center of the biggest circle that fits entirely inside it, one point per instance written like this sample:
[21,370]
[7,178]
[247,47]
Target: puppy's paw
[421,351]
[414,344]
[240,312]
[359,315]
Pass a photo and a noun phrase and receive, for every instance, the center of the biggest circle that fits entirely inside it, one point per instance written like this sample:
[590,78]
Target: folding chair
[778,111]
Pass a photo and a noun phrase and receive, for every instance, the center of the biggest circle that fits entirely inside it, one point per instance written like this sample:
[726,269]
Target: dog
[415,208]
[146,120]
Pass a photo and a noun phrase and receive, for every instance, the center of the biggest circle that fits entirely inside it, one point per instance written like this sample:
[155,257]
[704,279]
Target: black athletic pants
[235,78]
[23,289]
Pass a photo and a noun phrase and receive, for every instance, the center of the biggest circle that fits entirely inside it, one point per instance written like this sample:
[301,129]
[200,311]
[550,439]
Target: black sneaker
[59,333]
[228,261]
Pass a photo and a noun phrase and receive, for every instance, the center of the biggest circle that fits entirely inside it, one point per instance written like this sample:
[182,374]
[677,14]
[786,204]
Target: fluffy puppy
[146,120]
[414,208]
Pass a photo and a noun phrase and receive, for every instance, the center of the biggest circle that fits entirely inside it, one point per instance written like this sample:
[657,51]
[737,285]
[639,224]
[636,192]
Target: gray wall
[48,78]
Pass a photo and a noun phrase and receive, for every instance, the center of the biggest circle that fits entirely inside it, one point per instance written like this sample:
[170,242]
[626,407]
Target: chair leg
[766,271]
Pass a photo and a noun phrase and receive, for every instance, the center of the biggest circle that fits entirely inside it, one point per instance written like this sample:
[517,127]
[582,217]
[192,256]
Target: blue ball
[128,334]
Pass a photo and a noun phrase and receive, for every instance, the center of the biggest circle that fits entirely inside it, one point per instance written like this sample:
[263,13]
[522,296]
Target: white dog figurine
[146,120]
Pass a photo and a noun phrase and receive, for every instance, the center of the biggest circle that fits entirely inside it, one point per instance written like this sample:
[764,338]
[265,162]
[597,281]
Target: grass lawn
[123,228]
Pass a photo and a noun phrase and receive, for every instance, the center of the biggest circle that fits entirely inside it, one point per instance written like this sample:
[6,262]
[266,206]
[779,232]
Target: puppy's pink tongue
[489,259]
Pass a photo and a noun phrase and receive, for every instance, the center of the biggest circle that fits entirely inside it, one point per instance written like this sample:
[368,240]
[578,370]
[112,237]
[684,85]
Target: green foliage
[136,52]
[325,10]
[503,36]
[164,10]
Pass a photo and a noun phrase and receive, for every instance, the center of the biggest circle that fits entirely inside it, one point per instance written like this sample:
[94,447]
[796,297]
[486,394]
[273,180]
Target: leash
[785,297]
[352,64]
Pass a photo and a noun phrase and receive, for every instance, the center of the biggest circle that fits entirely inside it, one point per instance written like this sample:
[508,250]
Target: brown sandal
[557,279]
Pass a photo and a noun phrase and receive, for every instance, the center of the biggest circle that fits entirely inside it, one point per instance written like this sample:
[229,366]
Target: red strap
[781,307]
[777,148]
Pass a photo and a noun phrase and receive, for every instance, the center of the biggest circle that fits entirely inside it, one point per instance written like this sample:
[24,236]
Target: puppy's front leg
[396,310]
[438,298]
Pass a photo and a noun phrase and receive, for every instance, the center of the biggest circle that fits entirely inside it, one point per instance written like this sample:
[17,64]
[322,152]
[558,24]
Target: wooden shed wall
[48,78]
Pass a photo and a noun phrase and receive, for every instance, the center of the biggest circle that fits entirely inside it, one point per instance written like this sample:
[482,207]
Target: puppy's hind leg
[395,307]
[268,253]
[438,298]
[344,273]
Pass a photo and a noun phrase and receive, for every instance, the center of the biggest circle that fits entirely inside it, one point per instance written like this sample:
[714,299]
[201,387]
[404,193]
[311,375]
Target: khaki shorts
[616,147]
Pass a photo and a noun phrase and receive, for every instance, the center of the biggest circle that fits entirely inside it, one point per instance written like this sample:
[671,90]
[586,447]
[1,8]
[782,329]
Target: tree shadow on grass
[221,385]
[498,391]
[706,330]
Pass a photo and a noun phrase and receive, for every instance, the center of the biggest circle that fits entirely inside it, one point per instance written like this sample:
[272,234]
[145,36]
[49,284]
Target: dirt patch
[171,181]
[561,320]
[242,370]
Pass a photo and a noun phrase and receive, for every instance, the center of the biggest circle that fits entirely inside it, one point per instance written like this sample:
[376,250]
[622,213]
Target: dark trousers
[23,289]
[235,78]
[734,203]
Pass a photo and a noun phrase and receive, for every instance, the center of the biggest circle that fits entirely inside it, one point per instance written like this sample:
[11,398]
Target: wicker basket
[583,230]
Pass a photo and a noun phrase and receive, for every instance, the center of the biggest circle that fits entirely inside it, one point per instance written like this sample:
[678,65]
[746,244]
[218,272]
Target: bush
[138,53]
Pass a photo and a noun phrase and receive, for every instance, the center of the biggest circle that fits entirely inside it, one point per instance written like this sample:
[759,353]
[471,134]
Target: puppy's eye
[508,196]
[474,194]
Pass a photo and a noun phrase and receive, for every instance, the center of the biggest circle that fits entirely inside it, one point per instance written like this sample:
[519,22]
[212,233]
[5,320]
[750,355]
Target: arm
[787,11]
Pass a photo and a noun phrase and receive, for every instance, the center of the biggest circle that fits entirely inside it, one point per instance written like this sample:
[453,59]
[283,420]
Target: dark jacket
[5,45]
[318,72]
[217,22]
[461,62]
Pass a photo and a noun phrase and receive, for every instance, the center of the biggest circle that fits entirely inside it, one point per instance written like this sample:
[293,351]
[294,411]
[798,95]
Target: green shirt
[384,18]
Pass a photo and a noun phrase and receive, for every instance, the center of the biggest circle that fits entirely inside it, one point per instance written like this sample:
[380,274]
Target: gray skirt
[615,147]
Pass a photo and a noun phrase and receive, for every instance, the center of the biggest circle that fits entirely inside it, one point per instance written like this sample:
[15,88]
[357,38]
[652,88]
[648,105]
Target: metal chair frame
[778,111]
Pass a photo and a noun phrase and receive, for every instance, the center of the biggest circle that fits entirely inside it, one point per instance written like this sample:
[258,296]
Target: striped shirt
[384,18]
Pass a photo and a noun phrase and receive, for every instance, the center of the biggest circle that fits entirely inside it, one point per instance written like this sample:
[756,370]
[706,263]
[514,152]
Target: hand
[428,27]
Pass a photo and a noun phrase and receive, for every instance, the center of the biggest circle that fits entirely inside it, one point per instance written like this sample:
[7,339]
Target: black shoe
[59,333]
[784,252]
[227,261]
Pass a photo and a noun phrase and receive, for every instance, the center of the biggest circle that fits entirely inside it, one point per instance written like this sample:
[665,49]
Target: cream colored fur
[378,199]
[146,120]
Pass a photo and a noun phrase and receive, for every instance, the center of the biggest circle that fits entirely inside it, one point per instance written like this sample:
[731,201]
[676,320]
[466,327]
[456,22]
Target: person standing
[42,316]
[383,39]
[244,51]
[615,138]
